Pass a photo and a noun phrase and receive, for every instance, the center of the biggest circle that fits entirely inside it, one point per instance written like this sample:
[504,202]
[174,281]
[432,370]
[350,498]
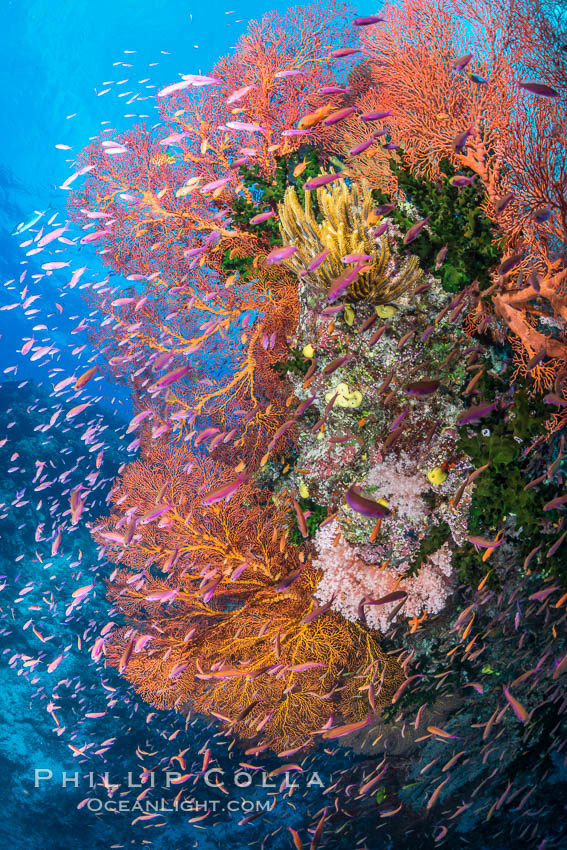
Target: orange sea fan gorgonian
[218,608]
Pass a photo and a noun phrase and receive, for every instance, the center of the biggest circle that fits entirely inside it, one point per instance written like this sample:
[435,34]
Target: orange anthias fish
[314,118]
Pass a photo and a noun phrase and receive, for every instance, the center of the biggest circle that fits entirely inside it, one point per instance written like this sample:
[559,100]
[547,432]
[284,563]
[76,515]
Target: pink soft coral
[349,579]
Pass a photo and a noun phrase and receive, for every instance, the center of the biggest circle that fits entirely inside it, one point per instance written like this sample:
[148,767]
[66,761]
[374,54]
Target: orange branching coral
[518,304]
[450,72]
[273,78]
[220,608]
[373,163]
[412,57]
[205,328]
[542,374]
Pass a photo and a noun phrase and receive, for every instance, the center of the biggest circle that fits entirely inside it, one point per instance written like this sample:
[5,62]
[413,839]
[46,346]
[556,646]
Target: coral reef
[343,329]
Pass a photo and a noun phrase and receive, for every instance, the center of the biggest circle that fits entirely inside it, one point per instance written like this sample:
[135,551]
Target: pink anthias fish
[280,254]
[138,418]
[244,126]
[174,139]
[198,80]
[292,72]
[239,94]
[171,377]
[322,180]
[95,236]
[368,21]
[258,219]
[53,266]
[363,146]
[50,237]
[215,184]
[154,514]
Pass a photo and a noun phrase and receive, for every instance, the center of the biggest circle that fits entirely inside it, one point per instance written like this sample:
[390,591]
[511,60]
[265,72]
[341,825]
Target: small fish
[476,78]
[244,126]
[537,88]
[182,84]
[301,522]
[335,117]
[435,796]
[262,217]
[296,839]
[395,596]
[342,283]
[154,514]
[501,204]
[367,21]
[322,180]
[382,210]
[414,231]
[462,62]
[291,72]
[171,377]
[277,255]
[378,334]
[365,506]
[543,214]
[460,140]
[363,146]
[314,118]
[239,94]
[473,414]
[27,225]
[308,665]
[215,184]
[319,259]
[288,580]
[375,116]
[336,364]
[509,263]
[85,377]
[339,731]
[555,503]
[441,733]
[126,655]
[422,389]
[53,266]
[342,52]
[356,258]
[315,613]
[368,323]
[198,80]
[482,543]
[335,90]
[517,707]
[460,180]
[561,667]
[224,491]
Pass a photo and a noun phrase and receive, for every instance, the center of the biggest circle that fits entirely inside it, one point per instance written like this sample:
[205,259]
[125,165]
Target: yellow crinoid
[348,227]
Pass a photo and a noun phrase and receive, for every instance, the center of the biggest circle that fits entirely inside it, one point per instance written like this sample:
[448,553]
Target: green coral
[268,192]
[499,492]
[433,541]
[271,191]
[455,219]
[296,363]
[317,513]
